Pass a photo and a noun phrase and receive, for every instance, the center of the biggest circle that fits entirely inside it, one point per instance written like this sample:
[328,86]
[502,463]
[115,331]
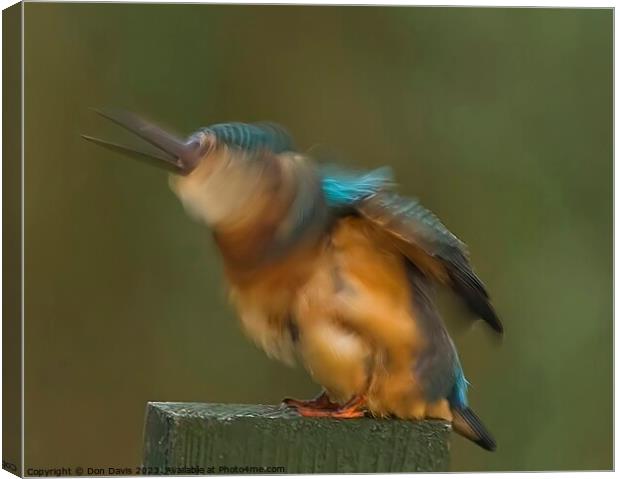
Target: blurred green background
[499,120]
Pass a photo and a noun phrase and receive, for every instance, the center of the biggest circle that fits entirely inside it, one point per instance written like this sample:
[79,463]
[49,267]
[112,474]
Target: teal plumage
[344,189]
[253,136]
[458,395]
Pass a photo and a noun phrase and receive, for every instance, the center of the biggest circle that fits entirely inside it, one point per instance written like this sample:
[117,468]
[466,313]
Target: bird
[327,266]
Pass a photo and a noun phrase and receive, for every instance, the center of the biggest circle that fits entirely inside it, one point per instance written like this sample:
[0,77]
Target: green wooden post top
[197,438]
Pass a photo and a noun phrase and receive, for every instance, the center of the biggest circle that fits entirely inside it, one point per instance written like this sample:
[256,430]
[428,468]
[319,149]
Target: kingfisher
[329,267]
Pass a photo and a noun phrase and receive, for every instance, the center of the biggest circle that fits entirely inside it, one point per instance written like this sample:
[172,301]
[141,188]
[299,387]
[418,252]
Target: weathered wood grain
[249,439]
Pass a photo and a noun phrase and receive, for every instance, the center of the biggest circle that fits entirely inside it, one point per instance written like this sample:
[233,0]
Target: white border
[548,4]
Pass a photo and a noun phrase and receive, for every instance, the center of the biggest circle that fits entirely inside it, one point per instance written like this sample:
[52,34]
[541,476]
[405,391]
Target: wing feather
[423,238]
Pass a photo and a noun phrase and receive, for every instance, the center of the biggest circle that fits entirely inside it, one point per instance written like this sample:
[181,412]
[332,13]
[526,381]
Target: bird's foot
[354,408]
[321,402]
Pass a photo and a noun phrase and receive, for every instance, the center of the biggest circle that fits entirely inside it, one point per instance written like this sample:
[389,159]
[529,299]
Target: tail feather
[467,424]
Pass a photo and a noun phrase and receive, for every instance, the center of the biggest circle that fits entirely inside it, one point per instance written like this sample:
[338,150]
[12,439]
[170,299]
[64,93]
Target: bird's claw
[323,407]
[321,402]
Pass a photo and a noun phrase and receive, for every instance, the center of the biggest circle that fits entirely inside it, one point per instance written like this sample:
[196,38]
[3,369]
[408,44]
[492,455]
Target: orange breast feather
[344,306]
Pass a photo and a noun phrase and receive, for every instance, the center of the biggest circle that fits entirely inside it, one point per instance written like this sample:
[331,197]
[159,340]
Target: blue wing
[428,243]
[418,233]
[344,189]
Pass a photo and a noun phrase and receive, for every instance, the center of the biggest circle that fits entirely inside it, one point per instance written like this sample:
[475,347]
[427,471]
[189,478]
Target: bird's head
[218,172]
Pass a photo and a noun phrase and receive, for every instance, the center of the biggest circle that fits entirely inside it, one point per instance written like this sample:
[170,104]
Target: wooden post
[196,438]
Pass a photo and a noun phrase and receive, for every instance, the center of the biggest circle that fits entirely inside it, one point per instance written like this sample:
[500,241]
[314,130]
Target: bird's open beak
[173,153]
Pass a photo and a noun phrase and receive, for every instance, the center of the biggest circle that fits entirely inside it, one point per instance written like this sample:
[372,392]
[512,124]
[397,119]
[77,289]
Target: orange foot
[321,402]
[352,409]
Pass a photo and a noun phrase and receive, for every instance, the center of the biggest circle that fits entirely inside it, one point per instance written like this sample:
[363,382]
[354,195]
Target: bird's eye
[198,139]
[194,143]
[201,142]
